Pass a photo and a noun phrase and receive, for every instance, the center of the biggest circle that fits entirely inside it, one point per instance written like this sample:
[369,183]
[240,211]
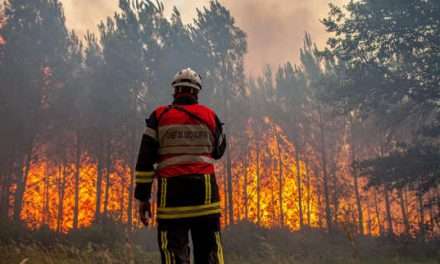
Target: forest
[343,143]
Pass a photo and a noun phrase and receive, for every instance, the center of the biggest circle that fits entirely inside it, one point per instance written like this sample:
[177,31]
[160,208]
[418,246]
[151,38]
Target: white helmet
[189,78]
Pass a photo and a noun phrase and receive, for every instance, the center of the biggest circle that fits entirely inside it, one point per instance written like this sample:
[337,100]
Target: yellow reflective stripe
[219,248]
[144,176]
[151,133]
[207,189]
[164,247]
[188,208]
[144,180]
[186,215]
[163,196]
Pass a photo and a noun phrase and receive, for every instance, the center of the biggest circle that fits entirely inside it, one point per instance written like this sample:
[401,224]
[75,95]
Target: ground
[244,243]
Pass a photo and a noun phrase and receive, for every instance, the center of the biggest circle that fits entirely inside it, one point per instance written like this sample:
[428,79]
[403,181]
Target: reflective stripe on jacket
[185,143]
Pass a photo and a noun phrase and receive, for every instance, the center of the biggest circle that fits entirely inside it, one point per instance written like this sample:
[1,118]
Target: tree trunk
[328,216]
[5,193]
[356,181]
[403,211]
[388,212]
[230,188]
[309,198]
[321,212]
[258,183]
[431,211]
[421,207]
[335,197]
[299,186]
[99,188]
[246,198]
[77,181]
[225,192]
[377,211]
[61,192]
[368,220]
[130,196]
[46,197]
[107,178]
[22,174]
[280,182]
[272,190]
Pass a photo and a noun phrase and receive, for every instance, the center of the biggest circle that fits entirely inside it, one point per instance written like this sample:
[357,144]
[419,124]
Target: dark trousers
[173,238]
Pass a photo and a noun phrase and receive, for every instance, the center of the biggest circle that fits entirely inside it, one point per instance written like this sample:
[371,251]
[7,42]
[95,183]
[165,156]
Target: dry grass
[244,244]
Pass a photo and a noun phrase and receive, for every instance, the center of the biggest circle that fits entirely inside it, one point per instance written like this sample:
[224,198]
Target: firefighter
[179,146]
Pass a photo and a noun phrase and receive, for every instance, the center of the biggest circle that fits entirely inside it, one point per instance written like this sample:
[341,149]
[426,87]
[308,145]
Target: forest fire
[333,157]
[265,188]
[49,198]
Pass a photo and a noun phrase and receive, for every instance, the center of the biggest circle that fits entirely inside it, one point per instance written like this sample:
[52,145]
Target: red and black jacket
[179,147]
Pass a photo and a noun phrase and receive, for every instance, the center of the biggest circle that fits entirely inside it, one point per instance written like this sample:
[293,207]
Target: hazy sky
[275,28]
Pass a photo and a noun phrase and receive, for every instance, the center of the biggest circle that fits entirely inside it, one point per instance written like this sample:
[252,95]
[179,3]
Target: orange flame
[266,162]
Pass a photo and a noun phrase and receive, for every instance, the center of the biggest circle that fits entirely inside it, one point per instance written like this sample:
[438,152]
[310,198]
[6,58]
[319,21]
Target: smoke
[83,15]
[275,28]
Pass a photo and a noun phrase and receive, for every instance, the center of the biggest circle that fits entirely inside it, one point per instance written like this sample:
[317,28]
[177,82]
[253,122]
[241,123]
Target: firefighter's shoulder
[204,108]
[159,110]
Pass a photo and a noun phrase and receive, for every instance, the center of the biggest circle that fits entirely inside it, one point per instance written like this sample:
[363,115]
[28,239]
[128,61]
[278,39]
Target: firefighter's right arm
[147,157]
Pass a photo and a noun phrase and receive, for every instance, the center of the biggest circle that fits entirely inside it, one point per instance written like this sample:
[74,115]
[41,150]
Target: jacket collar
[185,100]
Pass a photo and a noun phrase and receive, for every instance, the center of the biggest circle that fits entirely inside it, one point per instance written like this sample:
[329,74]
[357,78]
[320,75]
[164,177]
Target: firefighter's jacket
[179,147]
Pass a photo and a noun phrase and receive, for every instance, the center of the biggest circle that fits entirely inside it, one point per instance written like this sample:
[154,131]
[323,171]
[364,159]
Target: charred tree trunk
[403,211]
[245,191]
[321,213]
[309,198]
[431,211]
[357,195]
[377,211]
[299,186]
[328,215]
[132,156]
[22,174]
[360,218]
[280,182]
[5,189]
[77,181]
[421,207]
[369,229]
[225,192]
[272,190]
[107,179]
[61,191]
[335,196]
[230,188]
[388,211]
[46,197]
[258,183]
[130,196]
[99,185]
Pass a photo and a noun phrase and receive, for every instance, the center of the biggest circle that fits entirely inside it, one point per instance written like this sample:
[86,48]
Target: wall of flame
[49,196]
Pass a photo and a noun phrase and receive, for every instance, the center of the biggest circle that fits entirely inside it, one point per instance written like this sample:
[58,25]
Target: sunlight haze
[275,29]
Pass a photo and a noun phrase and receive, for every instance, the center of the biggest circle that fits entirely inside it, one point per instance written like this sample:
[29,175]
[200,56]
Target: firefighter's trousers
[173,238]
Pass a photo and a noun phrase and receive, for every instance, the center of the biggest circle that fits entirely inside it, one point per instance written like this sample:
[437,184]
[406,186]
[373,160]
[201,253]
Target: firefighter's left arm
[220,140]
[147,157]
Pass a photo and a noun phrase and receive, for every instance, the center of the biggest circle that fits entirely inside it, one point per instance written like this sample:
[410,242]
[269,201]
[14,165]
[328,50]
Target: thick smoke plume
[274,28]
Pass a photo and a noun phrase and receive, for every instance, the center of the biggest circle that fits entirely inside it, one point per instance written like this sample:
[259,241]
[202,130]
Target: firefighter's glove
[145,212]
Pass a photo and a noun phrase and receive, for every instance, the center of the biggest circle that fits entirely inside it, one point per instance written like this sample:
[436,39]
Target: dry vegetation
[245,243]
